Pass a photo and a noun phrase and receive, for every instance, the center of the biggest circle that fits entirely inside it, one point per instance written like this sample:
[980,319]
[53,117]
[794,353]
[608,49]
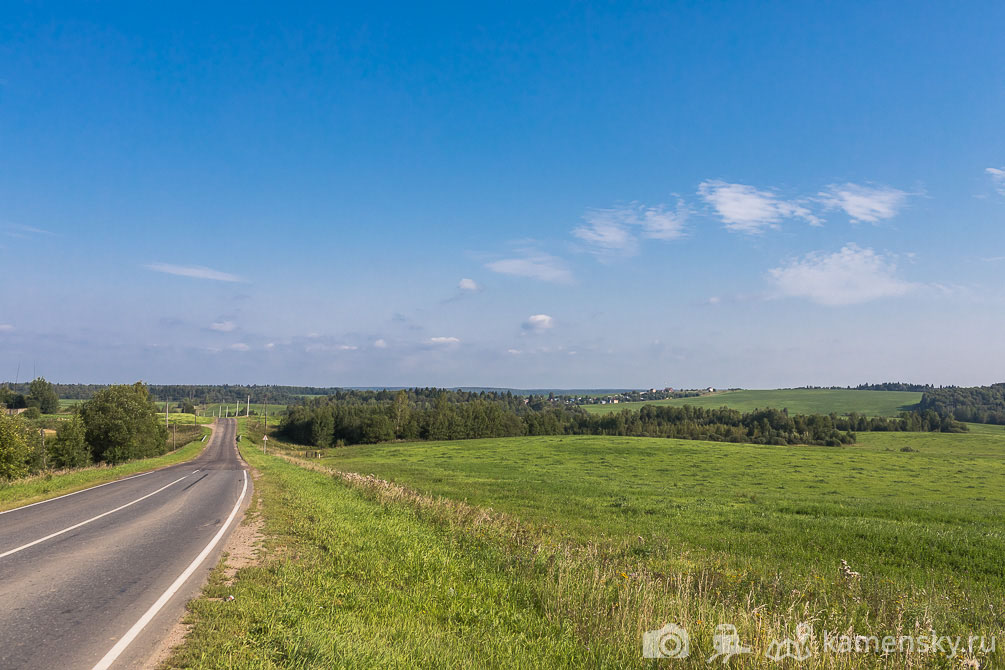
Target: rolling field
[562,551]
[798,401]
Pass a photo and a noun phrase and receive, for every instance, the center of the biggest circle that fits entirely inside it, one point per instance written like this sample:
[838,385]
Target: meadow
[797,401]
[562,551]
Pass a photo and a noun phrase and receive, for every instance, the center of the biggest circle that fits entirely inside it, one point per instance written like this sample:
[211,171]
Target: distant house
[710,389]
[615,401]
[12,411]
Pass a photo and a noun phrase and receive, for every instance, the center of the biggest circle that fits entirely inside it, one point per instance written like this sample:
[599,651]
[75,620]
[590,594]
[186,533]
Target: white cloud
[537,323]
[850,276]
[617,230]
[514,352]
[534,265]
[997,178]
[746,209]
[193,271]
[270,346]
[239,346]
[19,231]
[380,344]
[467,285]
[223,326]
[6,328]
[864,203]
[347,347]
[444,340]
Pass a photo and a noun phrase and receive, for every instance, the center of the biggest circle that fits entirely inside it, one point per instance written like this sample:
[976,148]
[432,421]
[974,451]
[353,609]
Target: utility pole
[41,432]
[166,422]
[247,408]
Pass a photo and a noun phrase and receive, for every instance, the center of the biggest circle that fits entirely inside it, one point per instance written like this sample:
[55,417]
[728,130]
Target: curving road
[95,579]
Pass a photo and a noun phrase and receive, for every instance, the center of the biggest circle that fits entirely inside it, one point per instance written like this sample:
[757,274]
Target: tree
[19,444]
[69,449]
[377,428]
[400,411]
[120,423]
[43,394]
[187,407]
[12,400]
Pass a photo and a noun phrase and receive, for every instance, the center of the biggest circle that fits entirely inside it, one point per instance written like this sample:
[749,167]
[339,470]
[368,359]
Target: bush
[19,447]
[69,449]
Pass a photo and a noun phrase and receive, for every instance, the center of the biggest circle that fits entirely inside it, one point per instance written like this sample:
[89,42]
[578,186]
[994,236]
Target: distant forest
[895,386]
[352,417]
[977,404]
[224,393]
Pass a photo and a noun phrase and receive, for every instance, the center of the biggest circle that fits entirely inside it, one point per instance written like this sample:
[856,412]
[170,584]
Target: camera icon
[670,641]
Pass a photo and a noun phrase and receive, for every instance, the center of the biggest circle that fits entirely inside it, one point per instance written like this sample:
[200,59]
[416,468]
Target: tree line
[117,424]
[977,404]
[345,419]
[201,393]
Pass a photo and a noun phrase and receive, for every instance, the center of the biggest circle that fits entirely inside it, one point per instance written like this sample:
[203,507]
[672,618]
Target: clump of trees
[20,447]
[352,418]
[117,424]
[120,423]
[38,394]
[43,395]
[977,404]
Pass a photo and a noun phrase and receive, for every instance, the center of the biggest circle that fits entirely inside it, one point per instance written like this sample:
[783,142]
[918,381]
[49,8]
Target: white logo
[670,641]
[798,649]
[726,643]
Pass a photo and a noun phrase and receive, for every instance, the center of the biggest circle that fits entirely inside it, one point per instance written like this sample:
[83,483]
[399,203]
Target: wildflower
[847,571]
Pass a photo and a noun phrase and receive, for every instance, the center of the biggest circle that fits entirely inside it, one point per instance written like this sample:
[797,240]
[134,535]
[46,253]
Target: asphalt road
[80,574]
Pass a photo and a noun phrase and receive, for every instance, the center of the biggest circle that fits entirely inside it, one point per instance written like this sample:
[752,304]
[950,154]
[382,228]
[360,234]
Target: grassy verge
[562,552]
[348,581]
[51,484]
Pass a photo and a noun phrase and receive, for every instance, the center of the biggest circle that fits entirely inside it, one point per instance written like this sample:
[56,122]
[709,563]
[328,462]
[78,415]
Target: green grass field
[798,401]
[561,551]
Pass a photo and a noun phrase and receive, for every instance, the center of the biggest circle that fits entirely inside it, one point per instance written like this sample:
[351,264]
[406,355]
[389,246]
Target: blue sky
[524,195]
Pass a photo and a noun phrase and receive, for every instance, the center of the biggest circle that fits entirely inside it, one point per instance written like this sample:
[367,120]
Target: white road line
[67,495]
[131,634]
[84,523]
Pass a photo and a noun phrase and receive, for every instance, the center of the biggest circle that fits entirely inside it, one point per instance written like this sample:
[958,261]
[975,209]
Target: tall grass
[363,572]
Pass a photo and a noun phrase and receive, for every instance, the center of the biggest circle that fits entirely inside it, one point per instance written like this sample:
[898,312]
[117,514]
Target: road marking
[84,523]
[89,488]
[131,634]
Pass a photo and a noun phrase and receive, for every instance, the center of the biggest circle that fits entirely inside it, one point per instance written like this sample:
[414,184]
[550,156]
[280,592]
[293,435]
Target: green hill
[798,401]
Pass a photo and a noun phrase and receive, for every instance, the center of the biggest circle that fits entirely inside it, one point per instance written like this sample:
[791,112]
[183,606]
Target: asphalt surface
[65,601]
